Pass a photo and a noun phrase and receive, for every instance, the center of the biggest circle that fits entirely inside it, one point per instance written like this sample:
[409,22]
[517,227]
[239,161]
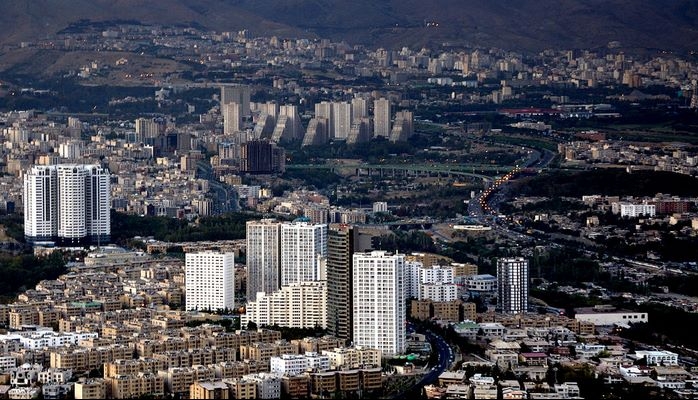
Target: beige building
[91,389]
[209,390]
[130,386]
[242,388]
[265,351]
[317,345]
[352,357]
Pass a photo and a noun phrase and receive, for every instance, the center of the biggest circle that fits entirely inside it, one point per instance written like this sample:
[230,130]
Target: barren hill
[522,24]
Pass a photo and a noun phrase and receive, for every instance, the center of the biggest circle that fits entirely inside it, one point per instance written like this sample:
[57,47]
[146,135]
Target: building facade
[209,281]
[303,252]
[381,118]
[298,305]
[263,257]
[340,247]
[67,203]
[512,285]
[379,301]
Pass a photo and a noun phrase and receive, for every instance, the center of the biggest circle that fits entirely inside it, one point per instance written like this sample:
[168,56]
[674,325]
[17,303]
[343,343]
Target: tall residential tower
[512,285]
[67,203]
[263,257]
[209,281]
[379,301]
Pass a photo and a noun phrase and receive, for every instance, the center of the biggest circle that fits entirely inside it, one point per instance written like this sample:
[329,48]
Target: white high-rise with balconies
[209,281]
[512,285]
[303,252]
[67,203]
[379,301]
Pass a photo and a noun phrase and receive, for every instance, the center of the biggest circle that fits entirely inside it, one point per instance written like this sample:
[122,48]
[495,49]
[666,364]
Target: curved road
[445,354]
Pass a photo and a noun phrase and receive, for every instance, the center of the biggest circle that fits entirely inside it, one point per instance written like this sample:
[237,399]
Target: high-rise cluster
[303,275]
[68,204]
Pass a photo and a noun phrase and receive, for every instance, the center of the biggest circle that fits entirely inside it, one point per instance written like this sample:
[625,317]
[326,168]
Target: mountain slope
[522,24]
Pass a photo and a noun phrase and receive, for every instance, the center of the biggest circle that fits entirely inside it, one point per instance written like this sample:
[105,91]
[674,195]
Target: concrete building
[341,113]
[483,283]
[353,357]
[209,390]
[512,285]
[379,301]
[340,247]
[296,364]
[303,252]
[242,388]
[637,210]
[91,389]
[263,255]
[67,203]
[268,385]
[381,118]
[297,305]
[359,109]
[147,129]
[601,315]
[232,118]
[210,281]
[239,94]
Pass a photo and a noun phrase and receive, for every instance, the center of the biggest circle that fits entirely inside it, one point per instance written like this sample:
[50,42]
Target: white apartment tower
[379,301]
[512,285]
[381,118]
[359,109]
[342,120]
[41,204]
[67,203]
[232,118]
[263,257]
[303,251]
[326,110]
[209,281]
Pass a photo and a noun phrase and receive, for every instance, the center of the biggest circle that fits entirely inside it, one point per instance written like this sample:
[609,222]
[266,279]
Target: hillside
[529,25]
[609,182]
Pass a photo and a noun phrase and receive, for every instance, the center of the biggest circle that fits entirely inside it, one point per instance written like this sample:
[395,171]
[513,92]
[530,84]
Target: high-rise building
[340,247]
[263,257]
[261,157]
[403,126]
[147,128]
[341,113]
[512,285]
[303,251]
[359,109]
[316,134]
[379,301]
[232,118]
[209,281]
[292,129]
[237,94]
[326,110]
[360,131]
[67,203]
[381,118]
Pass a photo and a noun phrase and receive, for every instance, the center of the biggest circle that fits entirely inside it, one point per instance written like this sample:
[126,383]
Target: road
[225,198]
[446,356]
